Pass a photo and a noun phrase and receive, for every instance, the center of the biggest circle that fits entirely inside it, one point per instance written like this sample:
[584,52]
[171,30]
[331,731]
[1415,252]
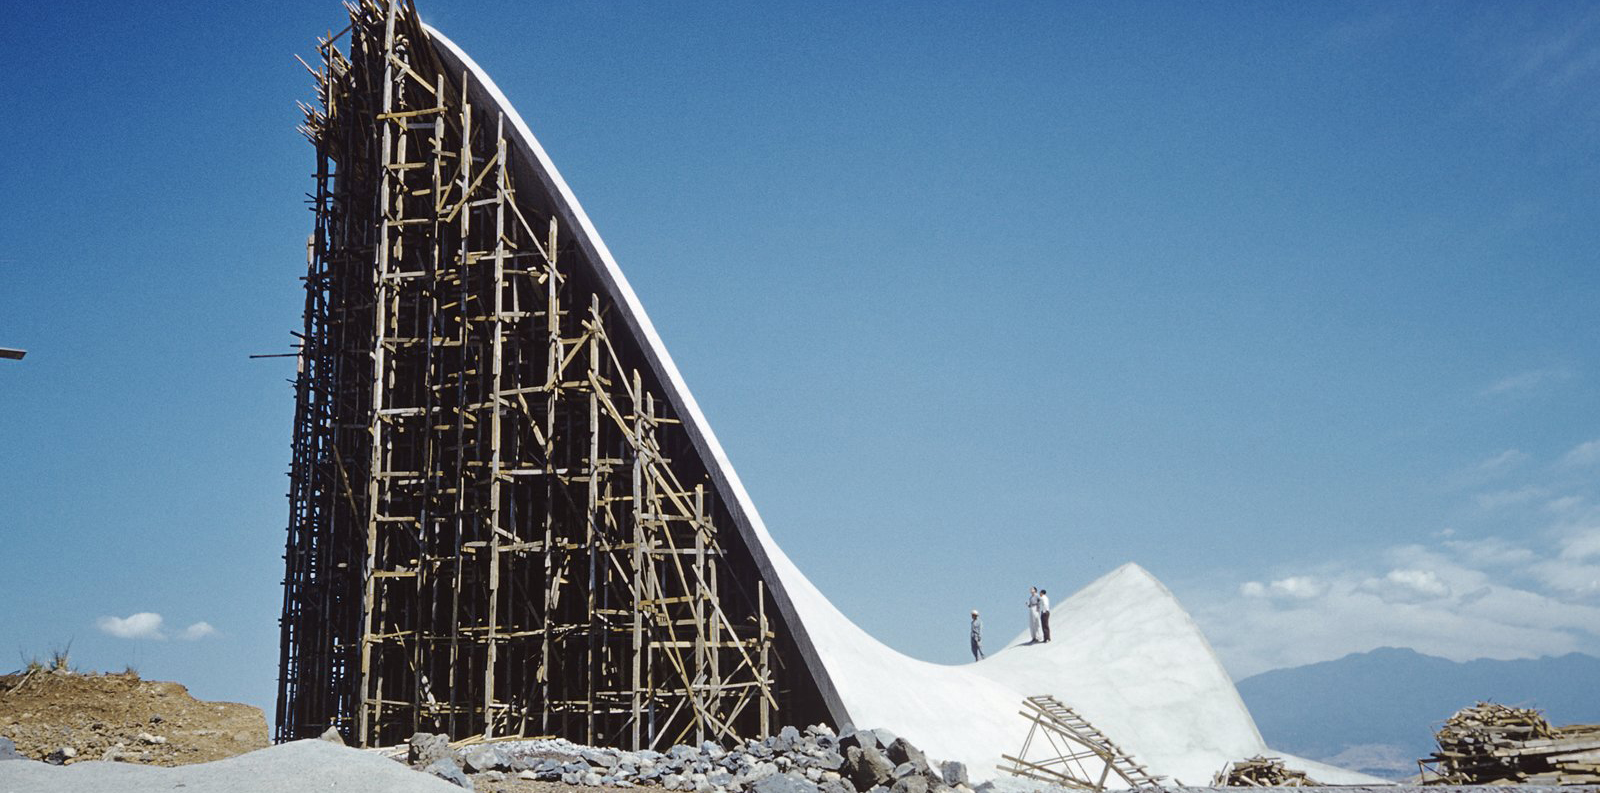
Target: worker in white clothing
[1044,612]
[1033,615]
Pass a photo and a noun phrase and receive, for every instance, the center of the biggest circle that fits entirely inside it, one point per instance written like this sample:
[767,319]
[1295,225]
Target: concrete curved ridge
[1129,658]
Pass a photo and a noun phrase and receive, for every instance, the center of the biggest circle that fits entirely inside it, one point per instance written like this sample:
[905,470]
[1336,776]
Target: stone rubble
[813,760]
[61,756]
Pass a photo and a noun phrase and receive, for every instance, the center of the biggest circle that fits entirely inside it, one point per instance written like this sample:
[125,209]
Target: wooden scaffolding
[1072,752]
[498,524]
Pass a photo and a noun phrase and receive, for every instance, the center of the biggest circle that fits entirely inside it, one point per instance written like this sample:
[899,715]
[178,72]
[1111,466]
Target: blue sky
[1292,304]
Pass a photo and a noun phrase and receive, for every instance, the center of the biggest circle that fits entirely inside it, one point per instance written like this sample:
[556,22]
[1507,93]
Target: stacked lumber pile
[1260,771]
[1490,744]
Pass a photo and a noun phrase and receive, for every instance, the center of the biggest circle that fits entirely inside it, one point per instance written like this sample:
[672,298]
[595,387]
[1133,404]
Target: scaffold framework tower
[498,523]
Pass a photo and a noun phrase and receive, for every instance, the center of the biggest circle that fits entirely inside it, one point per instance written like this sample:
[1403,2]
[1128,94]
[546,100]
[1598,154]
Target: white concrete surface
[295,767]
[1126,655]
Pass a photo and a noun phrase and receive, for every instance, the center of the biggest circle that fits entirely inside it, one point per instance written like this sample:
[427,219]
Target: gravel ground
[305,766]
[298,767]
[1405,788]
[514,785]
[101,716]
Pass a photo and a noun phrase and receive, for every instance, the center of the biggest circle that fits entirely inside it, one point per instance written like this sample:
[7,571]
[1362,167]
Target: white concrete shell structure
[1127,656]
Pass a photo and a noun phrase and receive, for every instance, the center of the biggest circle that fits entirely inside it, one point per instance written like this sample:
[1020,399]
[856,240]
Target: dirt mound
[121,717]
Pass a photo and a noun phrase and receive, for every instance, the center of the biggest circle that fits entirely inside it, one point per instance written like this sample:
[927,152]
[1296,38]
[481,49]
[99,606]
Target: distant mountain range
[1376,711]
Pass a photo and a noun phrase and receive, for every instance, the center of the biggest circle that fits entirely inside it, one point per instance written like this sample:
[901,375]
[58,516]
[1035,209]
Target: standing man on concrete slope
[1033,615]
[977,637]
[1044,612]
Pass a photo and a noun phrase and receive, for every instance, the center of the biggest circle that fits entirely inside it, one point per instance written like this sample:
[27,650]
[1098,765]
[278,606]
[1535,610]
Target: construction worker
[1044,613]
[1033,615]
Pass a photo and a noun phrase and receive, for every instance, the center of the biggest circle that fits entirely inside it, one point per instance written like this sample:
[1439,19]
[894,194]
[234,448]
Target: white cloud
[1256,635]
[1565,505]
[1507,610]
[1297,587]
[1476,595]
[1583,454]
[1581,544]
[199,630]
[1300,587]
[1570,578]
[1502,462]
[1526,381]
[1575,570]
[1406,586]
[1515,601]
[1498,499]
[1517,575]
[1491,552]
[144,625]
[150,625]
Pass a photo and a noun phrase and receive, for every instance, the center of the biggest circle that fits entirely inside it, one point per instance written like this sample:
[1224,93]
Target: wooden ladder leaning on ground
[1072,743]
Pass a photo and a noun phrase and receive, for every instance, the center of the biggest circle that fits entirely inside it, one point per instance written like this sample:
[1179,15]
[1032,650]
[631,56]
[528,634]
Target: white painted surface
[1126,655]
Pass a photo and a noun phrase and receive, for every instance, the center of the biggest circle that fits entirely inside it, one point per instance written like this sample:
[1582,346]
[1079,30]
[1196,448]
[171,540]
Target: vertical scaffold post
[499,523]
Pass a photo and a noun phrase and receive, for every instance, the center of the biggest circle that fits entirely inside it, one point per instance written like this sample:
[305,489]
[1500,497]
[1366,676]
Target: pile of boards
[1259,771]
[1491,744]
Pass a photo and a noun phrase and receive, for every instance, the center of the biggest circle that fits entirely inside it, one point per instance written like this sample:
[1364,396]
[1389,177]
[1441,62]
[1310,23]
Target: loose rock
[446,769]
[858,739]
[783,783]
[813,760]
[868,767]
[425,748]
[954,773]
[916,783]
[482,757]
[901,751]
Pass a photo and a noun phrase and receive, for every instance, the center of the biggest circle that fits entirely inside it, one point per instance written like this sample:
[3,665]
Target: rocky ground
[1401,788]
[66,717]
[793,761]
[73,722]
[814,760]
[321,765]
[287,768]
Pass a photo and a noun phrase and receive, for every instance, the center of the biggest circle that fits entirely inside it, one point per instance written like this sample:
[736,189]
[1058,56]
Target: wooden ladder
[1078,747]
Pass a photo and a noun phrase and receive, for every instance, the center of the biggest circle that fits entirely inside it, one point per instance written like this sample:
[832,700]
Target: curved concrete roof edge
[1139,656]
[762,547]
